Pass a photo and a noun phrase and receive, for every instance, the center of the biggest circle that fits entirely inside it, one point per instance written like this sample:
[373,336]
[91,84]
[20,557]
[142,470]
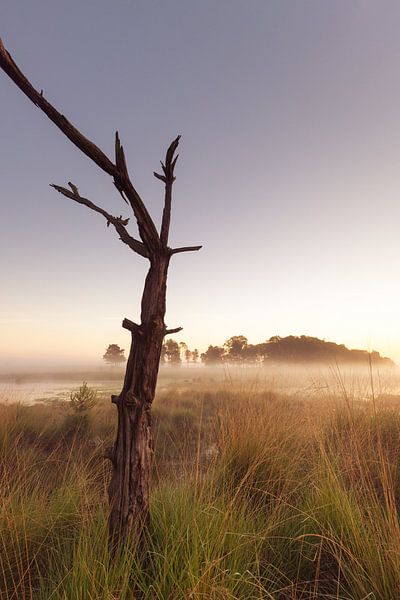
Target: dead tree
[131,455]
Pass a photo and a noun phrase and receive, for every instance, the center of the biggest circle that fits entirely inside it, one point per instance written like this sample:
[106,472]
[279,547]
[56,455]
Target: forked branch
[168,178]
[147,229]
[118,222]
[152,241]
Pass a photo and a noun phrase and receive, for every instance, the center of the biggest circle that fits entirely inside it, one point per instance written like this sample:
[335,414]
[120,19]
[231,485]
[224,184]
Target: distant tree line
[237,350]
[293,349]
[174,354]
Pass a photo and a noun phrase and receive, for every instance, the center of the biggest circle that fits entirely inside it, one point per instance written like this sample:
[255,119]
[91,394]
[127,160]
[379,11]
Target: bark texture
[129,491]
[131,455]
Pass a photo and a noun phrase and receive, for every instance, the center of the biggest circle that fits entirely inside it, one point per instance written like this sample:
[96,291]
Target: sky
[288,171]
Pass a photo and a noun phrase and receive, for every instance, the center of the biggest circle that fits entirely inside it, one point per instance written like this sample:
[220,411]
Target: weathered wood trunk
[133,449]
[131,455]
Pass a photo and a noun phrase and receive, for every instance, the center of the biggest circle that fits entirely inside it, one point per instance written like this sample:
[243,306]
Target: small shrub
[83,400]
[78,423]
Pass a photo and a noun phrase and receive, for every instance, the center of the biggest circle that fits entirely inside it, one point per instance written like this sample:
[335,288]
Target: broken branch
[117,222]
[131,326]
[185,249]
[86,146]
[170,331]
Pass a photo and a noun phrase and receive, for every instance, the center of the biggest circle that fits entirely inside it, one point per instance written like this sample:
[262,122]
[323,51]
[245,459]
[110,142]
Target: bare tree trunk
[131,457]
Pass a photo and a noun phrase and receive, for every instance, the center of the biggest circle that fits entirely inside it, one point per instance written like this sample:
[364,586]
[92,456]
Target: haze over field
[288,171]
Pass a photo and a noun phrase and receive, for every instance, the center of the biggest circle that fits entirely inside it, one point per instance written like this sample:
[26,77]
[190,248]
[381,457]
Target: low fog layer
[303,382]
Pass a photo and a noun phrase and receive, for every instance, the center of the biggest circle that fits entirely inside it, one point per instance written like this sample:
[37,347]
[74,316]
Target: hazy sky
[288,172]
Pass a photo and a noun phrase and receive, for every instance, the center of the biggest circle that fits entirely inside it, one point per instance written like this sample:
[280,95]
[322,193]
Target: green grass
[255,496]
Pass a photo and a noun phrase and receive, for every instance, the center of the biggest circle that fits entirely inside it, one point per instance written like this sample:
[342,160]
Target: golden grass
[256,496]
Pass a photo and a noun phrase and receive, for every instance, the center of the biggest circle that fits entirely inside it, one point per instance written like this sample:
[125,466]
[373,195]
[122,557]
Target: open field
[278,485]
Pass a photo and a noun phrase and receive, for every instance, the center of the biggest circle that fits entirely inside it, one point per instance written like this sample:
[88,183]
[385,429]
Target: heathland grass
[256,495]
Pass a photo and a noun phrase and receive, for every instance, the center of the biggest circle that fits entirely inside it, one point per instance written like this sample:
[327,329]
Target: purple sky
[288,171]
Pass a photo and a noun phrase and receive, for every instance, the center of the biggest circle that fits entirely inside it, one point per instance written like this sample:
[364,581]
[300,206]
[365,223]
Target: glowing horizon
[287,173]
